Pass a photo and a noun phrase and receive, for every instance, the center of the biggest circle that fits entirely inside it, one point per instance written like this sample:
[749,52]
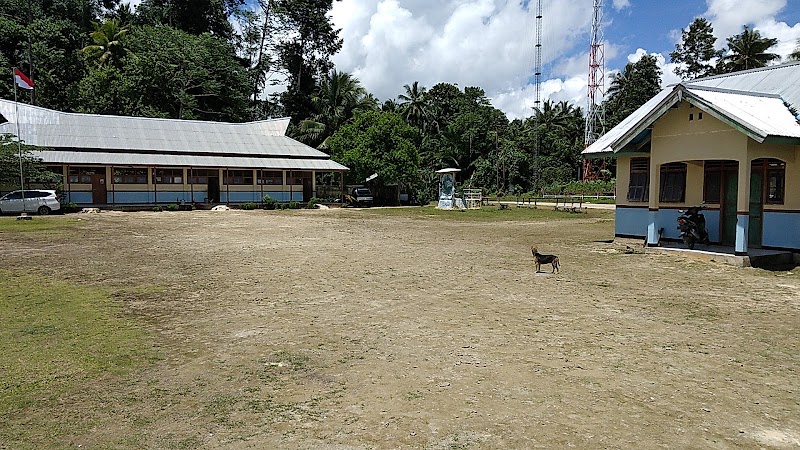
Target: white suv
[41,201]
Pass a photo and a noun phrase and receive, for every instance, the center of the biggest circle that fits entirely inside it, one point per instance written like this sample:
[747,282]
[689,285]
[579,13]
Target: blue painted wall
[634,221]
[781,230]
[631,221]
[79,197]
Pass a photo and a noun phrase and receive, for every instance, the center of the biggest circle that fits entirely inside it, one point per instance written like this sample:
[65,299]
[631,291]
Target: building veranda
[135,161]
[730,142]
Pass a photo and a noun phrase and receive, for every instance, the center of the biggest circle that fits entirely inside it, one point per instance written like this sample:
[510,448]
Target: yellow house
[729,142]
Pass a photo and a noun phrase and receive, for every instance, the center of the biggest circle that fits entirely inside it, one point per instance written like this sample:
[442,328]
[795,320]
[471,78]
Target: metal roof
[181,160]
[782,80]
[146,140]
[755,102]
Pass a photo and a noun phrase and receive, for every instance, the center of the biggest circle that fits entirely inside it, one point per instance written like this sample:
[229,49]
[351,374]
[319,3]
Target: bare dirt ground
[353,330]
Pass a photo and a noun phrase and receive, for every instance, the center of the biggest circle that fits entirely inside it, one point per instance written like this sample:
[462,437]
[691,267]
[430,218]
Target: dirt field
[357,329]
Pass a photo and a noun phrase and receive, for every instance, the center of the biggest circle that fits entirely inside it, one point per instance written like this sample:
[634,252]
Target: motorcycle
[692,225]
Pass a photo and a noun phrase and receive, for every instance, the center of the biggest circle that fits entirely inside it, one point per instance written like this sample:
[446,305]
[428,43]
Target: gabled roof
[761,112]
[101,139]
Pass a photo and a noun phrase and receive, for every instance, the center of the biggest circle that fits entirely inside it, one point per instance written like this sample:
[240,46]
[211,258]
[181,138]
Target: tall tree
[748,50]
[306,42]
[631,88]
[696,53]
[192,16]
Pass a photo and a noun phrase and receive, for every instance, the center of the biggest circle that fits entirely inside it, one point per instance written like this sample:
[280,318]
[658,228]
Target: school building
[136,161]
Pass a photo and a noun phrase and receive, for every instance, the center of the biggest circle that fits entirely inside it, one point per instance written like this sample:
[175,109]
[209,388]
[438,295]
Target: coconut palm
[414,105]
[748,50]
[337,98]
[108,45]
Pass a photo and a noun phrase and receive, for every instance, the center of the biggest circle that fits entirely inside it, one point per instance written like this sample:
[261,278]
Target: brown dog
[539,259]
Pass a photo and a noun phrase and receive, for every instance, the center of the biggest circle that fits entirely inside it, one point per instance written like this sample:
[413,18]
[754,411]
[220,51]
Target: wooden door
[99,191]
[308,188]
[730,194]
[213,189]
[756,209]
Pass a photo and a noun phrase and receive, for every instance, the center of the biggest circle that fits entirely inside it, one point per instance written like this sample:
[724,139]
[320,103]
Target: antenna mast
[595,112]
[537,103]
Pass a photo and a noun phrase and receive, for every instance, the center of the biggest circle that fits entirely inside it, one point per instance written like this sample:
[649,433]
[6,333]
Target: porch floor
[756,257]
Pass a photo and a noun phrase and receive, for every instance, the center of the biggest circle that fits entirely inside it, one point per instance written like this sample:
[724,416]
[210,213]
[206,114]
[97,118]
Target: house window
[84,174]
[238,177]
[673,183]
[270,177]
[774,179]
[130,176]
[169,176]
[639,185]
[296,178]
[200,176]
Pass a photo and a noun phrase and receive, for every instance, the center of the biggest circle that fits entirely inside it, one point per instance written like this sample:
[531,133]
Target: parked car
[361,197]
[40,201]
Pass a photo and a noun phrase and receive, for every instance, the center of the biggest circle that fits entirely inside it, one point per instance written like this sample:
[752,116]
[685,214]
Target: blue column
[742,226]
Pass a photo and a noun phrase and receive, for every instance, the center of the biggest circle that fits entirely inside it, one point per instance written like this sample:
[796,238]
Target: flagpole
[19,145]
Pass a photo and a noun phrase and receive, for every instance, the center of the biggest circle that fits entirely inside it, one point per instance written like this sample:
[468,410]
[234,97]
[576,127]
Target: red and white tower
[595,113]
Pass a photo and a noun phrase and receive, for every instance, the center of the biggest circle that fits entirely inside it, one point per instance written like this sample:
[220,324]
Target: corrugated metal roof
[47,128]
[137,159]
[782,80]
[751,100]
[763,115]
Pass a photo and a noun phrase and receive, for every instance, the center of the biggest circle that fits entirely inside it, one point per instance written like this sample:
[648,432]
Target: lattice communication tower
[595,113]
[537,76]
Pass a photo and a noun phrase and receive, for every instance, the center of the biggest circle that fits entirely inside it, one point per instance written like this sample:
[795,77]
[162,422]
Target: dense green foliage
[636,84]
[32,167]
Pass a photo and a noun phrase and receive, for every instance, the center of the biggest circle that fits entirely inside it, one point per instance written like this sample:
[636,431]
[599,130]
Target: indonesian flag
[22,80]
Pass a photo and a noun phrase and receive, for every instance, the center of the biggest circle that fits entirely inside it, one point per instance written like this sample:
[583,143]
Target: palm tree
[414,105]
[337,98]
[795,55]
[108,44]
[748,50]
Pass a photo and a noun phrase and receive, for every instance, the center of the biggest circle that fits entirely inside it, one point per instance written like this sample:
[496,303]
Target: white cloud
[729,16]
[621,4]
[486,43]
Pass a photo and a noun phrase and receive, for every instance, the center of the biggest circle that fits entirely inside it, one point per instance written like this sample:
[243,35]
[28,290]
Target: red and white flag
[22,80]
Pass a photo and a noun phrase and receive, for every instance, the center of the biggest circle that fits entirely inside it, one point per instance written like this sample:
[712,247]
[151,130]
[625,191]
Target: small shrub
[172,207]
[249,206]
[294,205]
[157,209]
[312,203]
[71,207]
[269,202]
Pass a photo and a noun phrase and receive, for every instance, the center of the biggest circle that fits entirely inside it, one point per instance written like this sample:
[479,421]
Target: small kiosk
[447,190]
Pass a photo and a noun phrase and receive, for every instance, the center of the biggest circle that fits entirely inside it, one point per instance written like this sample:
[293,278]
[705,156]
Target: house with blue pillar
[112,161]
[729,142]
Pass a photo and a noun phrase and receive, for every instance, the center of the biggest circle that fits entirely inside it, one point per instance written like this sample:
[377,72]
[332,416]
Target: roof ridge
[741,72]
[206,122]
[732,91]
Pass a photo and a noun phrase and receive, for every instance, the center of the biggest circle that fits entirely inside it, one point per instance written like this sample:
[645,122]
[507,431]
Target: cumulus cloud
[486,43]
[621,4]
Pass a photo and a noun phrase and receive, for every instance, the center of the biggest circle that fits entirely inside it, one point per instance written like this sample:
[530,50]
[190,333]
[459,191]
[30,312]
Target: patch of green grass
[487,214]
[37,224]
[61,343]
